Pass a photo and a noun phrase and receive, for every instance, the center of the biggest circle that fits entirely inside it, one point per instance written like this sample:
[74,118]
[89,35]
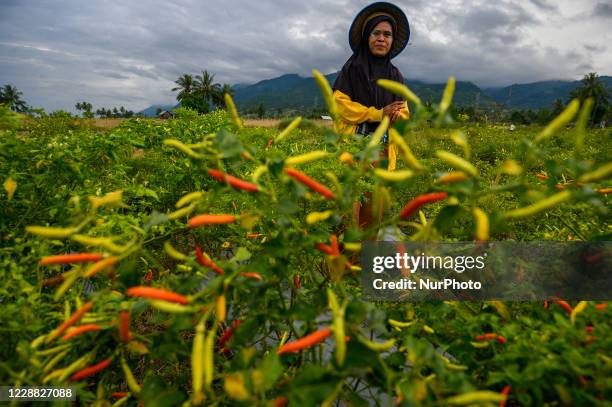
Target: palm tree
[186,85]
[9,95]
[218,98]
[206,88]
[593,87]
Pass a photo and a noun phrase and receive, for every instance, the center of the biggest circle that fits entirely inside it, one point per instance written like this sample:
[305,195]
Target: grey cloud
[130,53]
[603,10]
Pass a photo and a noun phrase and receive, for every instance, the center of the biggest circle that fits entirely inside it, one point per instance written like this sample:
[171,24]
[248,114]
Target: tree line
[200,92]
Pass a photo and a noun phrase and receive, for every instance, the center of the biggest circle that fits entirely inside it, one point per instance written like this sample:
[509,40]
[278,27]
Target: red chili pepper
[269,144]
[124,327]
[325,248]
[310,183]
[253,235]
[334,244]
[119,394]
[81,330]
[206,262]
[506,391]
[545,304]
[305,342]
[149,276]
[91,370]
[479,337]
[501,339]
[589,329]
[71,258]
[281,401]
[73,319]
[156,294]
[208,219]
[565,305]
[414,205]
[228,334]
[490,336]
[542,176]
[233,181]
[591,339]
[601,307]
[296,282]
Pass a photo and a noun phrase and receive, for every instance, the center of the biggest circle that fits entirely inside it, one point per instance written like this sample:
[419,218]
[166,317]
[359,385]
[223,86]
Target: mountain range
[294,92]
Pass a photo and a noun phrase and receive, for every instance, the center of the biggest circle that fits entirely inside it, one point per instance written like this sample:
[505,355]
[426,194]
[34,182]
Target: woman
[379,33]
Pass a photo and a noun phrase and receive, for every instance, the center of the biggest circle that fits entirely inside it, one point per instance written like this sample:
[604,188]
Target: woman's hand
[393,110]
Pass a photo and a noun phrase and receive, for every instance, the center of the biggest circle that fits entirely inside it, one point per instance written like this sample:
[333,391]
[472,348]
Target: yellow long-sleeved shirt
[354,113]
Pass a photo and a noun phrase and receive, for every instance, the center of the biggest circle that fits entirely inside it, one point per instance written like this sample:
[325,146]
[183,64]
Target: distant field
[270,123]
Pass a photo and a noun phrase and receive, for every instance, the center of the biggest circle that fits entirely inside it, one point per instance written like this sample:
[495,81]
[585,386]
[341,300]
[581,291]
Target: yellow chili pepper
[306,158]
[221,308]
[129,377]
[560,121]
[175,254]
[539,206]
[399,89]
[599,174]
[292,126]
[190,197]
[378,346]
[314,217]
[197,361]
[482,224]
[57,233]
[183,148]
[481,396]
[447,96]
[411,160]
[393,176]
[181,212]
[457,162]
[231,107]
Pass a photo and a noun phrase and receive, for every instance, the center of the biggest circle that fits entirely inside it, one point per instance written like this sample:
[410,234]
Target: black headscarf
[358,76]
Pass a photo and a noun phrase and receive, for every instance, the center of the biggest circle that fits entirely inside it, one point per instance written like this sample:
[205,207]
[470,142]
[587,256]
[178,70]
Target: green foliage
[61,167]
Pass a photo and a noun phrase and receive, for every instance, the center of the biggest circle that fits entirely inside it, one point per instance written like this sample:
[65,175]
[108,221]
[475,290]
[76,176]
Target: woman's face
[380,39]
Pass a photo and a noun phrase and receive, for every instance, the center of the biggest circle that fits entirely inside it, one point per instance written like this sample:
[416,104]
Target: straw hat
[400,37]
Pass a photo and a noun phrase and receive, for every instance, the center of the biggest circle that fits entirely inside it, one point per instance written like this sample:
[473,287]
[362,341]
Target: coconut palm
[592,87]
[218,98]
[206,88]
[9,95]
[186,85]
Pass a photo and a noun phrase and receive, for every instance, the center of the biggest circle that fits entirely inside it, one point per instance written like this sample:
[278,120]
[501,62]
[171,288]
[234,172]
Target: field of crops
[204,267]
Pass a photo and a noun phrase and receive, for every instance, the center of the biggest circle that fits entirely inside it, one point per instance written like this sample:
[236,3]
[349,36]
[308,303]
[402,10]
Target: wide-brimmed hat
[402,28]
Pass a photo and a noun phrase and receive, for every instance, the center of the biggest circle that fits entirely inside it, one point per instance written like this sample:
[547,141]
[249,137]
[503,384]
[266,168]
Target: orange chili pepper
[565,305]
[124,327]
[81,330]
[251,274]
[208,219]
[310,183]
[76,317]
[233,181]
[71,258]
[156,294]
[305,342]
[91,370]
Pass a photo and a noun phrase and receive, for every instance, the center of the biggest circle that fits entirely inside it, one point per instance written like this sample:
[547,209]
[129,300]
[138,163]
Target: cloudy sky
[128,53]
